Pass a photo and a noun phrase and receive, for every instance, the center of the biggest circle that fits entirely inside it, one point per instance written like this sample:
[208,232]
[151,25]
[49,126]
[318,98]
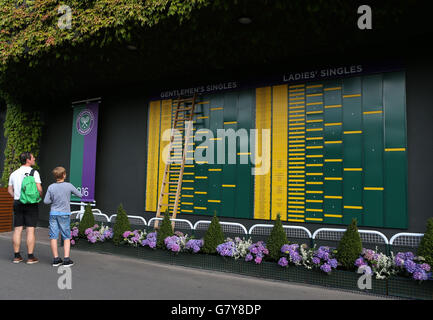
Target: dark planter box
[409,288]
[337,279]
[6,210]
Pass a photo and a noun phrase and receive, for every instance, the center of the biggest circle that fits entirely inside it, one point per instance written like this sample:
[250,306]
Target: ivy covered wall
[22,131]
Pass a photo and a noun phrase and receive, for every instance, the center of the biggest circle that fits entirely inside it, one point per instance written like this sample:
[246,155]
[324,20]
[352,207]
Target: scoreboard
[338,150]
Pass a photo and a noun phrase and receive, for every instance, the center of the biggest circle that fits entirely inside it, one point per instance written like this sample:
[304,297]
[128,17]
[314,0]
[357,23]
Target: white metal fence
[404,239]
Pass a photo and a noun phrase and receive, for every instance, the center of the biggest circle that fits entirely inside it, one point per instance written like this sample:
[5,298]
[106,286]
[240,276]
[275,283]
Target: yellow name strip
[395,149]
[351,95]
[333,197]
[229,186]
[353,207]
[374,188]
[333,215]
[373,112]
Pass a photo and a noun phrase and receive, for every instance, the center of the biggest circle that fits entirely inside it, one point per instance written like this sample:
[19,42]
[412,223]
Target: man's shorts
[60,224]
[25,214]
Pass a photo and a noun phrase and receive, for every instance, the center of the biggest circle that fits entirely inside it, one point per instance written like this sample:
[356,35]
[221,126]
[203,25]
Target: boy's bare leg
[67,247]
[30,239]
[16,238]
[53,243]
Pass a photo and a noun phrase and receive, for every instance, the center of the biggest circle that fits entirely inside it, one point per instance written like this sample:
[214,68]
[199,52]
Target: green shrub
[88,221]
[425,248]
[276,240]
[121,225]
[350,247]
[165,230]
[213,237]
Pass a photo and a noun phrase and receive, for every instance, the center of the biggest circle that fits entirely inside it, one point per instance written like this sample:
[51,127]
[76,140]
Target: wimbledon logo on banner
[83,149]
[85,121]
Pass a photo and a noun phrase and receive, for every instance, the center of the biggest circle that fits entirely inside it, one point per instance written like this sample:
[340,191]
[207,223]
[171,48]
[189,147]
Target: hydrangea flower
[283,262]
[323,258]
[257,251]
[410,265]
[226,249]
[194,245]
[150,240]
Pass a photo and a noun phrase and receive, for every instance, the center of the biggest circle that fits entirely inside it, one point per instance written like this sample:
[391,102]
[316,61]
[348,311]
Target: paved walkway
[103,276]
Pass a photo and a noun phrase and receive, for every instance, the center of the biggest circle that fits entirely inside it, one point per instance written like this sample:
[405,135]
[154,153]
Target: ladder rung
[166,205]
[184,109]
[174,171]
[171,182]
[169,193]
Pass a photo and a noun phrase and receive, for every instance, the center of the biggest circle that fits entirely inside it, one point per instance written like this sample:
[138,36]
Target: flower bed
[299,263]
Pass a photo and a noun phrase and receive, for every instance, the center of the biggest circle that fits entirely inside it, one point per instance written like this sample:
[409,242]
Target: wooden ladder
[184,106]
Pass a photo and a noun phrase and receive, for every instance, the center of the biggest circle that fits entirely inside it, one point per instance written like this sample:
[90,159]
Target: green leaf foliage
[213,237]
[164,231]
[350,246]
[121,225]
[425,248]
[276,240]
[22,131]
[88,221]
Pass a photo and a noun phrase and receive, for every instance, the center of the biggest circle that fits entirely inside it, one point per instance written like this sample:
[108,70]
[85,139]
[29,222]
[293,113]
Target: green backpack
[29,191]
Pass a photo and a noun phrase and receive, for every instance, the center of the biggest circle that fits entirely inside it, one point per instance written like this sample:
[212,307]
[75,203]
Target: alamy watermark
[364,281]
[226,147]
[366,20]
[65,280]
[65,20]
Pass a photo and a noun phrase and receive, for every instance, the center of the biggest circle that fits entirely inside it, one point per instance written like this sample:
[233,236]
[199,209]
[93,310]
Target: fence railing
[369,238]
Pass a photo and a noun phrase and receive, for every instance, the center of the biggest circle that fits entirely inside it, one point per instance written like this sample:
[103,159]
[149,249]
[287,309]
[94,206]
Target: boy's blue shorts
[60,224]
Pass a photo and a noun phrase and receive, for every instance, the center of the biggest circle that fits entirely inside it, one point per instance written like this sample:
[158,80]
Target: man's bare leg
[67,247]
[16,238]
[54,250]
[30,239]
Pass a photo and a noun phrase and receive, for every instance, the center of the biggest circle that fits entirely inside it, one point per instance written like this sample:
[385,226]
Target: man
[24,214]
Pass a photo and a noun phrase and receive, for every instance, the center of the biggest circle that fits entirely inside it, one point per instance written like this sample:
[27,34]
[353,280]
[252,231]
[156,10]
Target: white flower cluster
[307,256]
[241,247]
[383,266]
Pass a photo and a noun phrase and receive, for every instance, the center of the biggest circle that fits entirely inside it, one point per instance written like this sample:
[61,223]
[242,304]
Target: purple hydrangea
[360,262]
[257,251]
[425,267]
[326,268]
[420,275]
[226,249]
[283,262]
[194,245]
[333,263]
[150,240]
[410,266]
[316,260]
[172,243]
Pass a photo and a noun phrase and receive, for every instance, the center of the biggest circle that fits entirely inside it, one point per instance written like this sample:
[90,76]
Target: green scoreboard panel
[345,141]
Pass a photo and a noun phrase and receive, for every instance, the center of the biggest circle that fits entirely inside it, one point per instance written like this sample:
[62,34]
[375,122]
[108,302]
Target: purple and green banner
[83,150]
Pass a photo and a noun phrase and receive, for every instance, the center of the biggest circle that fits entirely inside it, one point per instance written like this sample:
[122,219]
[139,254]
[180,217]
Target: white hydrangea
[307,256]
[241,246]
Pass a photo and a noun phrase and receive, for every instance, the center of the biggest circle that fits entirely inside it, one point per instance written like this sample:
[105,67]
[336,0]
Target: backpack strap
[32,172]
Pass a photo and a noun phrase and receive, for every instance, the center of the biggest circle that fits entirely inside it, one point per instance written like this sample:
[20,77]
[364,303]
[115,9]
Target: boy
[59,196]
